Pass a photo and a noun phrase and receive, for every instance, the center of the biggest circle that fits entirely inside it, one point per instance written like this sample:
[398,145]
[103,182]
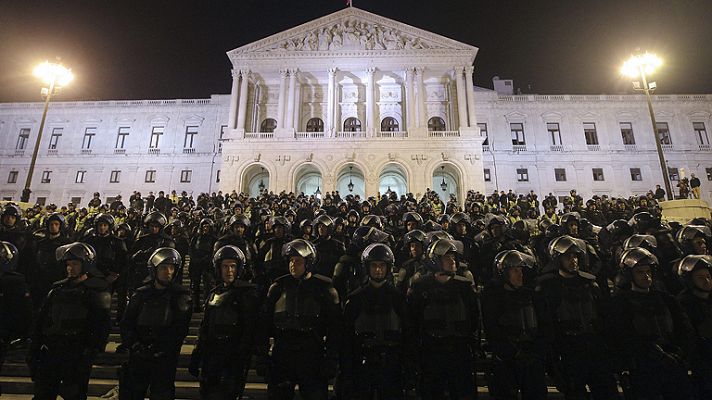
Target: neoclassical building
[362,104]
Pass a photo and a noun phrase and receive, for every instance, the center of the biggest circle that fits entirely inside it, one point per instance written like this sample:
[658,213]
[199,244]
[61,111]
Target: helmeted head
[570,223]
[9,256]
[365,235]
[637,268]
[373,221]
[648,242]
[11,213]
[443,256]
[207,226]
[496,225]
[239,224]
[353,217]
[78,258]
[460,224]
[514,268]
[324,225]
[229,264]
[696,271]
[644,222]
[412,220]
[155,221]
[377,261]
[103,224]
[301,255]
[568,253]
[164,265]
[306,227]
[414,243]
[55,223]
[280,226]
[695,239]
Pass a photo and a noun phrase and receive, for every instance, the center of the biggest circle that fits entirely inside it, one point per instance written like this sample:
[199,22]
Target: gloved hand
[194,365]
[329,369]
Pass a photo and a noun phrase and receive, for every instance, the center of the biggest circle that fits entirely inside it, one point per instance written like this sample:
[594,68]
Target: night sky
[151,49]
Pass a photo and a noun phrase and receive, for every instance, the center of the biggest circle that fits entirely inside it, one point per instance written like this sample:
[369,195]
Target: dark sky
[125,49]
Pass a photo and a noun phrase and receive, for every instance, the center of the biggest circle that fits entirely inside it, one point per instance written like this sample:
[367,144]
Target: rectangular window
[664,133]
[12,178]
[190,133]
[488,177]
[121,137]
[627,133]
[54,139]
[483,133]
[80,177]
[635,174]
[560,174]
[150,176]
[46,176]
[517,134]
[156,134]
[76,200]
[88,137]
[217,177]
[522,175]
[709,173]
[589,130]
[674,174]
[598,174]
[701,133]
[554,133]
[115,177]
[186,175]
[42,201]
[223,128]
[22,139]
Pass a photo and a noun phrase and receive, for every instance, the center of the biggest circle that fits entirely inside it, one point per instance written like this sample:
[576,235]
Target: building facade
[361,104]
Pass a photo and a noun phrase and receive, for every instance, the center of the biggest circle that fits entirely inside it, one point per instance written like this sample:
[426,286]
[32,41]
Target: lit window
[88,137]
[190,133]
[664,133]
[589,130]
[635,174]
[121,137]
[517,134]
[598,174]
[80,177]
[156,134]
[627,133]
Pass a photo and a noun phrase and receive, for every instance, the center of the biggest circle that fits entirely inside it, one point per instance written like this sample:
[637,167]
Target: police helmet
[415,236]
[325,220]
[281,221]
[79,251]
[433,236]
[690,263]
[365,235]
[12,210]
[353,213]
[632,258]
[644,221]
[229,253]
[302,248]
[155,218]
[239,220]
[439,249]
[105,219]
[494,219]
[431,226]
[378,252]
[55,217]
[412,216]
[373,221]
[444,218]
[8,257]
[164,255]
[647,242]
[513,258]
[690,232]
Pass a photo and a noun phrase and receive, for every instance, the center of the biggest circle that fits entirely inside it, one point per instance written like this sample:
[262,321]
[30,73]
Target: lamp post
[54,76]
[641,65]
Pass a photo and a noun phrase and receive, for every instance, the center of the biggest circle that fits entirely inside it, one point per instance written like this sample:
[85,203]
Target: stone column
[242,108]
[289,120]
[461,97]
[409,99]
[232,112]
[281,104]
[337,107]
[370,106]
[297,106]
[470,90]
[422,110]
[329,123]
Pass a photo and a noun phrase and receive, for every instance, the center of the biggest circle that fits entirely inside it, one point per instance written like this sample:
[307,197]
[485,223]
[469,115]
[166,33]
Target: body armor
[297,310]
[445,314]
[224,320]
[519,319]
[377,323]
[156,315]
[68,315]
[651,318]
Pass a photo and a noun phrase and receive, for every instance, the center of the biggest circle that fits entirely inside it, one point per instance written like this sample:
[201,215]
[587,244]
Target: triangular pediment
[347,31]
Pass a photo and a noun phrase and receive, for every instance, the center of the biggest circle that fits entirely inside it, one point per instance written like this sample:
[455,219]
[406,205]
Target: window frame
[54,138]
[487,175]
[391,124]
[590,133]
[189,139]
[674,174]
[560,174]
[315,124]
[12,176]
[625,131]
[156,133]
[265,128]
[636,175]
[22,139]
[354,125]
[150,176]
[89,134]
[482,126]
[437,124]
[80,176]
[516,133]
[121,136]
[699,132]
[186,175]
[596,173]
[522,175]
[46,176]
[554,132]
[115,176]
[663,130]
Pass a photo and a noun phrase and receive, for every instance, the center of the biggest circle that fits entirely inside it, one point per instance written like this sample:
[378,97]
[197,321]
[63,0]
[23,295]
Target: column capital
[458,69]
[293,71]
[332,70]
[469,69]
[245,72]
[284,72]
[419,70]
[235,73]
[370,70]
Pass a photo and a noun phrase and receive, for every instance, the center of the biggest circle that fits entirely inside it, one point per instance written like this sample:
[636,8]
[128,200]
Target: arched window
[315,125]
[389,124]
[436,124]
[352,125]
[268,125]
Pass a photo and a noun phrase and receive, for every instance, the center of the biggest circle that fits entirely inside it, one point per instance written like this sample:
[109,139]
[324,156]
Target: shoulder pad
[322,278]
[242,284]
[60,283]
[144,288]
[184,302]
[101,300]
[468,278]
[546,277]
[334,295]
[96,283]
[587,276]
[283,277]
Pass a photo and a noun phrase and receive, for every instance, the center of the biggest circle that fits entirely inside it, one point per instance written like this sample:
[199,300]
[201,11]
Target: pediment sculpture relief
[352,35]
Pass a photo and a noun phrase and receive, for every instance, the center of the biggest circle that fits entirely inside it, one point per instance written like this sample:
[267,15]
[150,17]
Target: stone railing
[667,147]
[556,148]
[705,147]
[52,152]
[444,134]
[86,151]
[154,150]
[119,151]
[594,147]
[111,103]
[189,151]
[259,135]
[630,147]
[603,97]
[19,152]
[519,147]
[485,148]
[351,135]
[392,134]
[309,135]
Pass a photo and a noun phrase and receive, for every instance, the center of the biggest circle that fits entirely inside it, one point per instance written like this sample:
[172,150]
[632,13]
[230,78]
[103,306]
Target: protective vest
[519,319]
[297,309]
[652,318]
[68,313]
[156,315]
[378,324]
[204,243]
[445,315]
[576,311]
[223,315]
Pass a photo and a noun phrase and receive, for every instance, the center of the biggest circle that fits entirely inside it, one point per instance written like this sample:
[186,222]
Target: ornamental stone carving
[351,34]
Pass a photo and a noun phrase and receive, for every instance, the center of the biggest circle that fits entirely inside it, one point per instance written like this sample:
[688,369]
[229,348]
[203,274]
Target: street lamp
[443,184]
[350,186]
[261,186]
[54,76]
[641,65]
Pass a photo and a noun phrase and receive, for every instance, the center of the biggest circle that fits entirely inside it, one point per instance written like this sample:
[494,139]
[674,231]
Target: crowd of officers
[386,298]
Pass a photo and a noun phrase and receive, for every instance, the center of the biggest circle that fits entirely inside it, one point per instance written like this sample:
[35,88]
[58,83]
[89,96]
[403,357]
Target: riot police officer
[649,333]
[328,248]
[201,253]
[348,275]
[443,315]
[11,230]
[45,269]
[516,324]
[372,350]
[302,314]
[72,327]
[153,329]
[111,258]
[695,239]
[574,300]
[225,343]
[146,244]
[696,272]
[414,263]
[271,264]
[15,305]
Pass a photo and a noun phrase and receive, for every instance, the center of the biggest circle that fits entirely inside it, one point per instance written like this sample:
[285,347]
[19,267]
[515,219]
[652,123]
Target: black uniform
[112,258]
[72,328]
[44,268]
[303,316]
[141,250]
[330,251]
[153,328]
[225,343]
[201,260]
[373,347]
[699,311]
